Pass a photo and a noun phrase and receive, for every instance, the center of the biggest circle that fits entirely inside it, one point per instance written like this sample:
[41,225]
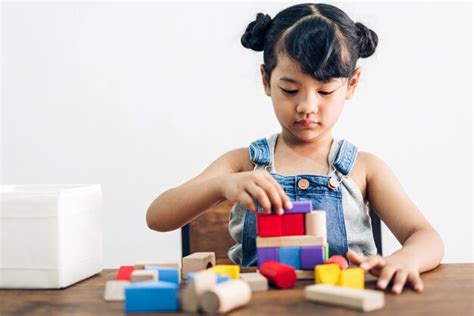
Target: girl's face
[306,108]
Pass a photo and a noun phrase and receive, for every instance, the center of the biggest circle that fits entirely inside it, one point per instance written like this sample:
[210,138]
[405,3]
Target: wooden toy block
[315,224]
[352,277]
[166,274]
[327,273]
[198,261]
[144,275]
[280,275]
[115,290]
[198,282]
[151,297]
[304,206]
[269,225]
[311,256]
[326,251]
[219,277]
[256,281]
[124,273]
[171,264]
[292,225]
[305,274]
[230,270]
[361,300]
[267,254]
[290,256]
[339,260]
[225,297]
[289,241]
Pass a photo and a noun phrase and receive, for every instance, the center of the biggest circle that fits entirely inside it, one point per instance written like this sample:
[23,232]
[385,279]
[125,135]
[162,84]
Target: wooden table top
[449,290]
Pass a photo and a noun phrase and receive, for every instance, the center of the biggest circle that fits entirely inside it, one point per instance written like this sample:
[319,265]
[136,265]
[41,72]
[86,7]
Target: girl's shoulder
[239,158]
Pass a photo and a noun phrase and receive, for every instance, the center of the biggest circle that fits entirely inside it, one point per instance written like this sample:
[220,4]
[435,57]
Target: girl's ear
[352,83]
[265,80]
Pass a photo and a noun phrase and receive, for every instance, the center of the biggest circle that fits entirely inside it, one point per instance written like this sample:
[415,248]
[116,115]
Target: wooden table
[448,290]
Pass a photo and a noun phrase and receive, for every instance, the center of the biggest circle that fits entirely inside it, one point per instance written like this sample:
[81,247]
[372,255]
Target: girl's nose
[309,104]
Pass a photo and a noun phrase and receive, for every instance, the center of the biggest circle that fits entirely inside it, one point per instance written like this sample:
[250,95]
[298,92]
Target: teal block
[151,297]
[290,256]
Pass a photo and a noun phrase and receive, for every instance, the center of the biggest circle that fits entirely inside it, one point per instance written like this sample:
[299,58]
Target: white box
[50,235]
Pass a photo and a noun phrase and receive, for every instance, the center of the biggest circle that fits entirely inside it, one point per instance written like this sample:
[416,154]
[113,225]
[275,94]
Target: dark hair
[321,38]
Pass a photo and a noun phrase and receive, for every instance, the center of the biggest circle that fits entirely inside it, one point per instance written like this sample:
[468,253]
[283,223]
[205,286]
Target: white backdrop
[140,97]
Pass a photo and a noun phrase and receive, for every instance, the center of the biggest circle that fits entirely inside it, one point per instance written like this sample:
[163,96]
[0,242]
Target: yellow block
[352,277]
[327,273]
[233,271]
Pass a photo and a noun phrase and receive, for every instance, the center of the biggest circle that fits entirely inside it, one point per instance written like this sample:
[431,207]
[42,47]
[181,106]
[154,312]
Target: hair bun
[368,40]
[254,35]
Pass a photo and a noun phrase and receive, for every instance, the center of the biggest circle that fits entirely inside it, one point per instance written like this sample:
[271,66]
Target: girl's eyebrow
[288,79]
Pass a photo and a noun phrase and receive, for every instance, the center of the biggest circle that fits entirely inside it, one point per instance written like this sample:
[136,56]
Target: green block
[326,251]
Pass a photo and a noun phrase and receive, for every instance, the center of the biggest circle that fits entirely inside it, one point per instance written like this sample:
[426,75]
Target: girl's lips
[306,123]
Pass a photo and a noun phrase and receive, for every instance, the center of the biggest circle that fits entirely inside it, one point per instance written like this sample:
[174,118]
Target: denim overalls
[303,187]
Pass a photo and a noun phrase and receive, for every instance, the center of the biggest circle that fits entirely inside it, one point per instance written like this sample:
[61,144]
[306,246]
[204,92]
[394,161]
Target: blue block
[220,277]
[290,256]
[151,297]
[166,274]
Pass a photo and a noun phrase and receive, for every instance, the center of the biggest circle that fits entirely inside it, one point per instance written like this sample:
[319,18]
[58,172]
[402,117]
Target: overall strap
[260,153]
[345,158]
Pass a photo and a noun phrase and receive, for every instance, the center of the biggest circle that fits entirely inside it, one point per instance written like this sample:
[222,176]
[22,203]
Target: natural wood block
[315,224]
[305,274]
[289,241]
[352,277]
[144,275]
[198,261]
[256,281]
[362,300]
[189,296]
[170,264]
[230,270]
[115,290]
[225,297]
[327,273]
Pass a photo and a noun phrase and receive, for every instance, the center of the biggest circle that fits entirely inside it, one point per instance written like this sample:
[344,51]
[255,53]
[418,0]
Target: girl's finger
[246,199]
[272,193]
[399,281]
[415,281]
[373,262]
[354,258]
[286,203]
[385,276]
[261,197]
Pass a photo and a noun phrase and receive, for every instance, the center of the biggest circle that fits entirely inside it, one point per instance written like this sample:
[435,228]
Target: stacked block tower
[297,238]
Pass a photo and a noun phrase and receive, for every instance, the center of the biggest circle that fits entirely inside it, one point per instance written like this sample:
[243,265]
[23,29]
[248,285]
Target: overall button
[333,183]
[303,184]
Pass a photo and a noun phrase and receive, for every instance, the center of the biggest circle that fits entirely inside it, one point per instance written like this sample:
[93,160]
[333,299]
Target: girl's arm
[227,178]
[422,248]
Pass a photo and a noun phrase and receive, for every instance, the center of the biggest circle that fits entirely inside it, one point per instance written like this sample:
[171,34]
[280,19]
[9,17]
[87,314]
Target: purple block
[304,206]
[311,256]
[266,254]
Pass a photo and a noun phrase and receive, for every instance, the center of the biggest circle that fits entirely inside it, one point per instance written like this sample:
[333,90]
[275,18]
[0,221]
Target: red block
[280,275]
[292,224]
[124,273]
[269,225]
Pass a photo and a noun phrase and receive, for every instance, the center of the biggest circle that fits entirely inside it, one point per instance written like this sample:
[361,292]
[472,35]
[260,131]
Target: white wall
[141,97]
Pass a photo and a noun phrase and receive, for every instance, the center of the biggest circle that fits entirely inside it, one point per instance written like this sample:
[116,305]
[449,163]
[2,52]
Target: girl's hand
[244,187]
[387,269]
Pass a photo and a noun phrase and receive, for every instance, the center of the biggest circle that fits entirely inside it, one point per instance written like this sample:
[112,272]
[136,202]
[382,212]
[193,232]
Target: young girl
[310,54]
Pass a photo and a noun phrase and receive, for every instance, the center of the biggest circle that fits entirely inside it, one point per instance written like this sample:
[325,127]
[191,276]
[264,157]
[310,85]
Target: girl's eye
[289,91]
[295,91]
